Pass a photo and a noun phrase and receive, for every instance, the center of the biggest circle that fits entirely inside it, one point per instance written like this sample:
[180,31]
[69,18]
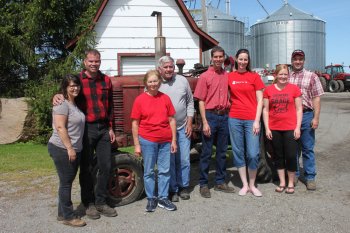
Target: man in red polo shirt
[96,101]
[212,93]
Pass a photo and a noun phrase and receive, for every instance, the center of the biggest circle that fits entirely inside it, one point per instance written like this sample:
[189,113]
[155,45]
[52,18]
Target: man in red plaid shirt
[96,101]
[311,90]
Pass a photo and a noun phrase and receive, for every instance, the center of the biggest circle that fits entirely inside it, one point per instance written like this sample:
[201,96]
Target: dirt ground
[325,210]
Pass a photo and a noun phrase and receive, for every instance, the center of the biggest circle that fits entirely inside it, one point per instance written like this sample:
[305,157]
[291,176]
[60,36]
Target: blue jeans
[245,145]
[180,162]
[66,171]
[156,153]
[96,140]
[219,130]
[307,140]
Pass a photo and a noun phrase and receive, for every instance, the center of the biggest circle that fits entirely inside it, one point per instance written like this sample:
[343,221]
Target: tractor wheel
[341,86]
[125,183]
[333,86]
[126,180]
[323,83]
[266,170]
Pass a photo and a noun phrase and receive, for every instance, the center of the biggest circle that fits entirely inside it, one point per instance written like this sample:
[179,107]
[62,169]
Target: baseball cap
[298,52]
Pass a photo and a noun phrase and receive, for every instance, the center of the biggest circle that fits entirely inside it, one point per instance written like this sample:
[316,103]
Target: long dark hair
[66,81]
[238,53]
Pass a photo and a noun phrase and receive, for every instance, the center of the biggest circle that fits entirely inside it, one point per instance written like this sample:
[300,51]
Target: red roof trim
[206,41]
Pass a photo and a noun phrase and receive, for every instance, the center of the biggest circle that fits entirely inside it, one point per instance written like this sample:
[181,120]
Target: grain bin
[275,37]
[224,28]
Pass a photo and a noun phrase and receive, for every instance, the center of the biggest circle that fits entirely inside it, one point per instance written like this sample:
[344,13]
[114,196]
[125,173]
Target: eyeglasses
[74,86]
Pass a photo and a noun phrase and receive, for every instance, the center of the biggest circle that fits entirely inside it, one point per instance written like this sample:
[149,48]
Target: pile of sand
[12,115]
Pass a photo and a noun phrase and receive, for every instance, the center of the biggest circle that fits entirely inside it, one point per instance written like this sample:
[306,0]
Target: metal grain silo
[275,38]
[224,28]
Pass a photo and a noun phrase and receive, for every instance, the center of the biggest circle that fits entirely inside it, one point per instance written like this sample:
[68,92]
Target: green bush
[40,108]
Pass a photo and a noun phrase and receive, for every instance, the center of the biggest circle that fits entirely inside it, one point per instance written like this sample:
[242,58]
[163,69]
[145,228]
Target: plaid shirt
[309,84]
[96,98]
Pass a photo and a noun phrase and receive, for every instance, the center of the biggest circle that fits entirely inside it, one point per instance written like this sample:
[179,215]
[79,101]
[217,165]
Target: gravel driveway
[324,210]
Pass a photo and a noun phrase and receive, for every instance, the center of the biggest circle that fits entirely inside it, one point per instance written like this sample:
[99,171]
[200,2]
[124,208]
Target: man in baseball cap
[298,52]
[312,90]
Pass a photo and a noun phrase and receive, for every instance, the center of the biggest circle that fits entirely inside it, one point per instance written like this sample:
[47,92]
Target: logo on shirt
[279,103]
[239,82]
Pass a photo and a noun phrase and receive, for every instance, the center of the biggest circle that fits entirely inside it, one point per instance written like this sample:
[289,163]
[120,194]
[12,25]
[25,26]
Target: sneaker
[75,222]
[311,185]
[91,212]
[224,188]
[205,192]
[184,194]
[166,204]
[151,205]
[107,211]
[174,197]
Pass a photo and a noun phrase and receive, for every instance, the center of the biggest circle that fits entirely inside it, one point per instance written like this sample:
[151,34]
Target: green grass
[129,149]
[28,157]
[27,168]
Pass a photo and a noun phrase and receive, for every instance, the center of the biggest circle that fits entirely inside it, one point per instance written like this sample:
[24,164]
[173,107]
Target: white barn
[125,32]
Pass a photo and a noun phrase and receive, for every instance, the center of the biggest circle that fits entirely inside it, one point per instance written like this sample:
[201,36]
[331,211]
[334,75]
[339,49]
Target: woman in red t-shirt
[154,134]
[246,95]
[282,115]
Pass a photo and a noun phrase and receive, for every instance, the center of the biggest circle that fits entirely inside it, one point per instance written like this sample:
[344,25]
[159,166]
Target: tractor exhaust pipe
[159,40]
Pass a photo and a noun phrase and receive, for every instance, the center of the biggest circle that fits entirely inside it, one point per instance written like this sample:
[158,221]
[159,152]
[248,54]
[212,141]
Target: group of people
[231,106]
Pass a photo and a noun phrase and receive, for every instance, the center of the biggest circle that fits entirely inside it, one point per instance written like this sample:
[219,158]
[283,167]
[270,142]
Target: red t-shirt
[153,113]
[282,112]
[243,87]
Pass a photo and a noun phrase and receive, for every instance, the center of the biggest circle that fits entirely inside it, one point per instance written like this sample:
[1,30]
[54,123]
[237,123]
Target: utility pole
[206,58]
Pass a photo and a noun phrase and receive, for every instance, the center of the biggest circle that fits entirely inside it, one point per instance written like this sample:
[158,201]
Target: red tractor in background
[334,79]
[126,179]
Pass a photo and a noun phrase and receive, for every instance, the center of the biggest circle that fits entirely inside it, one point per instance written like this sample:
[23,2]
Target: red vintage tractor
[334,79]
[126,180]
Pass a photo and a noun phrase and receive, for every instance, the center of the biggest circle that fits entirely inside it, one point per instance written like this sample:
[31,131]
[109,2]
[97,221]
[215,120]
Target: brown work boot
[224,188]
[75,222]
[91,212]
[107,211]
[205,192]
[311,185]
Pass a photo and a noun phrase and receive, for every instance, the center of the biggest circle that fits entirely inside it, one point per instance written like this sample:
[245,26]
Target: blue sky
[335,13]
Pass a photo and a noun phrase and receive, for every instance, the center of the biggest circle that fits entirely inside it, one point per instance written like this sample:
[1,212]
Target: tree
[33,53]
[33,35]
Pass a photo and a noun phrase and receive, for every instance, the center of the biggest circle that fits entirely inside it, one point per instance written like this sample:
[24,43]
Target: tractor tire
[125,183]
[126,180]
[266,170]
[341,86]
[323,83]
[333,86]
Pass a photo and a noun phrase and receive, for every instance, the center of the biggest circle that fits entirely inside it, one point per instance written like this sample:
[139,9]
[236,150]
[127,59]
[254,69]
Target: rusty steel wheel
[126,180]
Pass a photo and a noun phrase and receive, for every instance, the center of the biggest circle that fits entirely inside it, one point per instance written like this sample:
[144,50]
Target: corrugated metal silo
[224,28]
[275,38]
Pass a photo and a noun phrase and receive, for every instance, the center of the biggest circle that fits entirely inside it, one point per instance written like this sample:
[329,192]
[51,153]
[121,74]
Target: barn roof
[207,42]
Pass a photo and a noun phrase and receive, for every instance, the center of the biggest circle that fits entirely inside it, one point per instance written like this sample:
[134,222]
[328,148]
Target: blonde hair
[149,74]
[279,67]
